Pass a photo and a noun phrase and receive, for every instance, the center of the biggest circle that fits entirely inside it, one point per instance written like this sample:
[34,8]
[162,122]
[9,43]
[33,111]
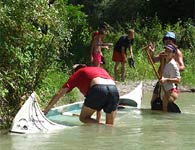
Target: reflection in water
[135,129]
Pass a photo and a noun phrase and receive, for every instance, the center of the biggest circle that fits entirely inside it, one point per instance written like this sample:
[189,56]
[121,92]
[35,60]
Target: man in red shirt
[98,88]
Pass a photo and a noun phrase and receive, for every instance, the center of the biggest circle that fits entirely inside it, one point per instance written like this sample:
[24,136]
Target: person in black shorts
[103,98]
[100,93]
[120,54]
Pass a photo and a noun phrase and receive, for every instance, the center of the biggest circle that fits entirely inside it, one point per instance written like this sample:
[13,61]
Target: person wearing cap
[98,88]
[120,53]
[170,76]
[169,38]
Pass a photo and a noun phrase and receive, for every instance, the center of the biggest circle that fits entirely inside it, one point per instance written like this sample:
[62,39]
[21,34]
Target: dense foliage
[116,12]
[33,35]
[39,42]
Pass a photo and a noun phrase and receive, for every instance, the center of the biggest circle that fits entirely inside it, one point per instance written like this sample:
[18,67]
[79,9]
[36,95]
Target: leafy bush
[32,38]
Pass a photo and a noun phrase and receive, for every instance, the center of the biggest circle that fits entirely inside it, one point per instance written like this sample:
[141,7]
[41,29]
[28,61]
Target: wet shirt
[123,42]
[83,77]
[171,70]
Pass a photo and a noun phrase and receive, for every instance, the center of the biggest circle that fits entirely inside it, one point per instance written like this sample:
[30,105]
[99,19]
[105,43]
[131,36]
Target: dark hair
[103,26]
[102,32]
[76,67]
[169,38]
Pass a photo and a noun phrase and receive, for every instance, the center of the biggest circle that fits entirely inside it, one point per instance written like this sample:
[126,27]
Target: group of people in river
[99,88]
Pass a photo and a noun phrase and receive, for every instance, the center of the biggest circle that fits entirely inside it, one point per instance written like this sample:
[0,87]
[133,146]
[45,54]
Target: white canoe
[30,118]
[133,98]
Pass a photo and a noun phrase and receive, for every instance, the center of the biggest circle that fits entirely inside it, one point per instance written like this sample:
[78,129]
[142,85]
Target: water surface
[136,130]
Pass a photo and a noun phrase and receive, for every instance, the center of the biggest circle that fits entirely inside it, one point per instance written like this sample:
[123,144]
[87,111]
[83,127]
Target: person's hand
[151,48]
[162,55]
[109,44]
[163,80]
[131,62]
[107,47]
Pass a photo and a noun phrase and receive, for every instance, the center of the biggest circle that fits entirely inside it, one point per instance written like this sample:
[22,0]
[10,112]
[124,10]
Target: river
[135,130]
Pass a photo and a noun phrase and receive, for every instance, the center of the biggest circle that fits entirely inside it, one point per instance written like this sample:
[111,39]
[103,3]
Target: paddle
[171,106]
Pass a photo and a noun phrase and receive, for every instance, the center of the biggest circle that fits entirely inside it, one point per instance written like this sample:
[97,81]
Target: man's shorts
[104,97]
[118,57]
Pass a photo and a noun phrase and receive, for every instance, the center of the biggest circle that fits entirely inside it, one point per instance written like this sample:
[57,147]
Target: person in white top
[170,76]
[169,38]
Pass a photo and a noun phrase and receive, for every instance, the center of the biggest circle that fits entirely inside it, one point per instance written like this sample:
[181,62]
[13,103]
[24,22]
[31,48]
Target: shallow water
[136,129]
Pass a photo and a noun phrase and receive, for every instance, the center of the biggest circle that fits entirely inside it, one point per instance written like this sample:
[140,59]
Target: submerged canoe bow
[30,118]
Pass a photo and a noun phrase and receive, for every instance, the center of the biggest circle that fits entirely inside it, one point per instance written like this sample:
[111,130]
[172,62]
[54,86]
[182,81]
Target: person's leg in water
[85,115]
[110,118]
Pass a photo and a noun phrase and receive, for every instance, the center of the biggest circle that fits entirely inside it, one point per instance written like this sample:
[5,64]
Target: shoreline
[148,86]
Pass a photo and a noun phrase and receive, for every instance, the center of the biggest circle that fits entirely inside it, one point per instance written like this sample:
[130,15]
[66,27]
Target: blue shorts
[104,97]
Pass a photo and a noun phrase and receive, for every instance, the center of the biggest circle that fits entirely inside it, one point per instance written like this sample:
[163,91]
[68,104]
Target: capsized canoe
[64,114]
[30,118]
[133,98]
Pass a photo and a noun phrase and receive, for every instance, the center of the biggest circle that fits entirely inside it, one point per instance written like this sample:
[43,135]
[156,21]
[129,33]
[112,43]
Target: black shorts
[104,97]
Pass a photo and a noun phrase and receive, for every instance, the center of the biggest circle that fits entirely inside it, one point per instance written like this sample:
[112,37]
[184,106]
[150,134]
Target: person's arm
[180,62]
[131,52]
[55,98]
[92,49]
[170,80]
[105,45]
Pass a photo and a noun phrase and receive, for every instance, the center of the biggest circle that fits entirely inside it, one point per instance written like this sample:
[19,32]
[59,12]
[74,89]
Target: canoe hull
[133,98]
[30,118]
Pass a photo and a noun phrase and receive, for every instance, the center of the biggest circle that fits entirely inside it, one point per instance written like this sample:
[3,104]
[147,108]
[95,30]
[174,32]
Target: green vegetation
[33,36]
[40,43]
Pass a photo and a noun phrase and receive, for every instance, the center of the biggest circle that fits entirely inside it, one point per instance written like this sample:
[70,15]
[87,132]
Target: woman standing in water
[170,76]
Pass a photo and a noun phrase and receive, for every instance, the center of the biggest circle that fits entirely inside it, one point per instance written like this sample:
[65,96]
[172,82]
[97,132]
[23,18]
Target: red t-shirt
[82,78]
